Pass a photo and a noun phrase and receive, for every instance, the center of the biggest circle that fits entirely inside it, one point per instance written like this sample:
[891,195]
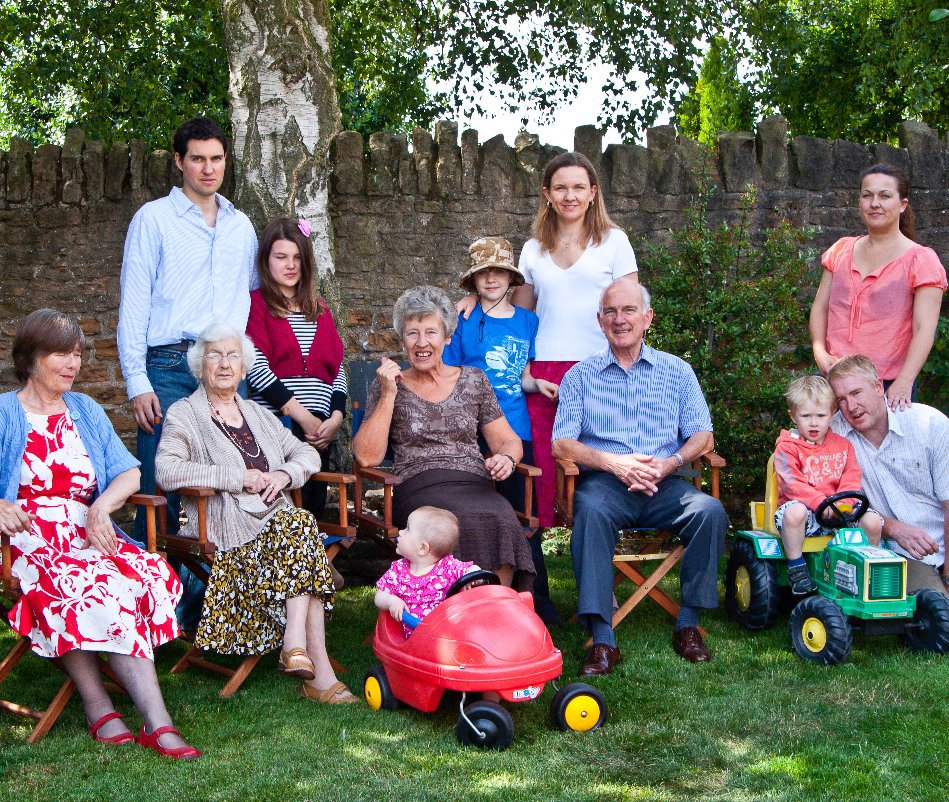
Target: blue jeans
[171,380]
[603,506]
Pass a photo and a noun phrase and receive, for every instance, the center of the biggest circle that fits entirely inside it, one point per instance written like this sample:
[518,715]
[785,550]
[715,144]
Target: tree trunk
[284,112]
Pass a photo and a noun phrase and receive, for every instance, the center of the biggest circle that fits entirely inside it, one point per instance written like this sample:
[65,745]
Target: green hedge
[736,310]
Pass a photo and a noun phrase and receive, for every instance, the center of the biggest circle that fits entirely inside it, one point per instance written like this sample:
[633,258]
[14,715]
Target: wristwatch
[679,459]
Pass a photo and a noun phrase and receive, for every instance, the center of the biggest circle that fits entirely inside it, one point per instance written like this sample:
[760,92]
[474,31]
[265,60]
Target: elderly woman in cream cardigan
[271,584]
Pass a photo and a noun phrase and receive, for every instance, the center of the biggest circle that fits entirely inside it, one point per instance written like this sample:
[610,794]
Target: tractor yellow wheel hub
[742,588]
[815,634]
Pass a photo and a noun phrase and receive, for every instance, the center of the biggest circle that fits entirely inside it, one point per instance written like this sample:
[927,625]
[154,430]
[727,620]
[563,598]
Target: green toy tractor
[859,586]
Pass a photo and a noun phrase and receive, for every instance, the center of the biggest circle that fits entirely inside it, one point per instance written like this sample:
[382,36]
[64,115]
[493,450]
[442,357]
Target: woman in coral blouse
[880,293]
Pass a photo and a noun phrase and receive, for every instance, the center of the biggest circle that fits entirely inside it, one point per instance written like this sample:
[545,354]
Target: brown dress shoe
[689,644]
[600,660]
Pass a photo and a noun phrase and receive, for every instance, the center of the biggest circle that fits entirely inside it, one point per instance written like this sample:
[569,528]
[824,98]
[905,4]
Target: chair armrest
[156,513]
[376,475]
[341,528]
[715,462]
[6,577]
[388,481]
[567,473]
[202,494]
[527,470]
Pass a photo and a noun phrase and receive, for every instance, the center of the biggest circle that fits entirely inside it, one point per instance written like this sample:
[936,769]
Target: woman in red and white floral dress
[85,589]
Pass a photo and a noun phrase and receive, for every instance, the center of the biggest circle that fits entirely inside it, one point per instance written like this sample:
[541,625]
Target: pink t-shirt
[874,315]
[422,594]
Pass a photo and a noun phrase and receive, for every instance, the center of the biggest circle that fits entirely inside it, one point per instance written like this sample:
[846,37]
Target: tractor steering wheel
[473,580]
[846,518]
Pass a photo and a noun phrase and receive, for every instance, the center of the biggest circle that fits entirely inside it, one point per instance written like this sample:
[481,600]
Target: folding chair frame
[198,556]
[656,547]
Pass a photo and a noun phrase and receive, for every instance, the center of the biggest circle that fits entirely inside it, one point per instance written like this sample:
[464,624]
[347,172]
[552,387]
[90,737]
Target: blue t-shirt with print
[501,347]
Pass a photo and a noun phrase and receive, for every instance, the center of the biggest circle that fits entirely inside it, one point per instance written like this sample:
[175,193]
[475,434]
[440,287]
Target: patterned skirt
[245,610]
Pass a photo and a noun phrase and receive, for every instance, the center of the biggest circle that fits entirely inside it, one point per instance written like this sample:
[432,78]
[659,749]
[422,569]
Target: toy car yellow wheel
[820,631]
[578,707]
[377,691]
[751,587]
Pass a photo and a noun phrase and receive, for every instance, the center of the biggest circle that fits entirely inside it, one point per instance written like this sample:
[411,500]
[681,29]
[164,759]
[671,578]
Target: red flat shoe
[150,741]
[121,738]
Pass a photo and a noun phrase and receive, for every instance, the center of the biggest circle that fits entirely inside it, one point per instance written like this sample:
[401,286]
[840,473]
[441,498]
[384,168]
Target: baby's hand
[396,606]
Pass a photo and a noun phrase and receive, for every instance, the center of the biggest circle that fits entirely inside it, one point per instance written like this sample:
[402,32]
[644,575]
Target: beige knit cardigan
[194,452]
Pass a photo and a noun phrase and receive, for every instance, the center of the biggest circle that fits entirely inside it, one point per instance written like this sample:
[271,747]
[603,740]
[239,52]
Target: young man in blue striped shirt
[188,262]
[631,416]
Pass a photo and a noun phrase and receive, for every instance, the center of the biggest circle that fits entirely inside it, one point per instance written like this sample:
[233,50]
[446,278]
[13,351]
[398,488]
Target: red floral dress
[74,597]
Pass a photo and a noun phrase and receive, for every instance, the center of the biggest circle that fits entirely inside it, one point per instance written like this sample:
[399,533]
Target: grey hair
[647,297]
[212,334]
[419,302]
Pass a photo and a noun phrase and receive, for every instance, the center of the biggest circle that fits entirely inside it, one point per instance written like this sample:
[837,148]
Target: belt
[182,345]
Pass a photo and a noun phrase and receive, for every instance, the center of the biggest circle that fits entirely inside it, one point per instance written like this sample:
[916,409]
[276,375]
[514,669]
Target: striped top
[179,275]
[651,409]
[315,395]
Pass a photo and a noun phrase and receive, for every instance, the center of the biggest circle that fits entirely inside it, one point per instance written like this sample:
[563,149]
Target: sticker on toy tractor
[526,693]
[845,577]
[875,553]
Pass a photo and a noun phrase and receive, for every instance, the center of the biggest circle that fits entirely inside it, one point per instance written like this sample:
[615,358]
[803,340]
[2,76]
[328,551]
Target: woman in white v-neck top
[575,253]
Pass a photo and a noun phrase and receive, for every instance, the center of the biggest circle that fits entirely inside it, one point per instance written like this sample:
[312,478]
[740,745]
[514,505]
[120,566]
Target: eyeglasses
[215,357]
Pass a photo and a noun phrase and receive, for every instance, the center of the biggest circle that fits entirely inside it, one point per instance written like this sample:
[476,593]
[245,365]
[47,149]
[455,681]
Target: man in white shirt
[188,261]
[904,457]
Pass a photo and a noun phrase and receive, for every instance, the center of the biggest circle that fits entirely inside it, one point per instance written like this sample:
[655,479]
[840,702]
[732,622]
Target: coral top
[873,315]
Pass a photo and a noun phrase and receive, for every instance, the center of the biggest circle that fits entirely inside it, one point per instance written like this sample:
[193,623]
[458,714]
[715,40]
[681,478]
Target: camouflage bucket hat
[490,252]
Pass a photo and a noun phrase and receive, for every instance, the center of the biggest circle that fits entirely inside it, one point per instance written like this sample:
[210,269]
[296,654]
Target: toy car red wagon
[486,639]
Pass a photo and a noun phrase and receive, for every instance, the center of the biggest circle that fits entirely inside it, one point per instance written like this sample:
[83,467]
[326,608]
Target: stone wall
[404,213]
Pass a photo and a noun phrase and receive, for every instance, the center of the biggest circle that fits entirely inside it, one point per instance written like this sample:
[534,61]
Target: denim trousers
[171,379]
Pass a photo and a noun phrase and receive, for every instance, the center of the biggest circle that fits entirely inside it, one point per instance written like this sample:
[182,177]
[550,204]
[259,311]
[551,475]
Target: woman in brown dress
[430,415]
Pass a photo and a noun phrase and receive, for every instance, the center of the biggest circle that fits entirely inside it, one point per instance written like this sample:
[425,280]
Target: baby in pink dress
[419,581]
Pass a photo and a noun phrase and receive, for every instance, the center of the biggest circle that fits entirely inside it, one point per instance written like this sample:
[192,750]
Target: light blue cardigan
[108,453]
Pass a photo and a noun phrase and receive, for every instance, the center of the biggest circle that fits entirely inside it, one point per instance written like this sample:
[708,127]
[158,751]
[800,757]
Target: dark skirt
[245,606]
[491,534]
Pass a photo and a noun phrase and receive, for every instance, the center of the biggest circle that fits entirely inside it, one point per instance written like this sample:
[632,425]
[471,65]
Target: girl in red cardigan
[298,371]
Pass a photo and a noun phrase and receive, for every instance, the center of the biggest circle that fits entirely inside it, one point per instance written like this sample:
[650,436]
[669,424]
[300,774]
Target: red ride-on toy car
[486,639]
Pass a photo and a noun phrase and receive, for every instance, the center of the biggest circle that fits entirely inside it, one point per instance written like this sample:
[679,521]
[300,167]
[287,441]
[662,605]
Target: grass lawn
[754,724]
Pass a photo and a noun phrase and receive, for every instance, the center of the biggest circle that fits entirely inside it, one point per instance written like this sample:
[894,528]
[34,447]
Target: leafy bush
[934,377]
[735,310]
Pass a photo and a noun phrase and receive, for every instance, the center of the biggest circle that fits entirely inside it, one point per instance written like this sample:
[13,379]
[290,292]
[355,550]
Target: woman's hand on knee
[100,534]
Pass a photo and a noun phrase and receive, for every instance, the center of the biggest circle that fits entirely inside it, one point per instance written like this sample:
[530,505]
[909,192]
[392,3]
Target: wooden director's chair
[198,556]
[45,718]
[639,546]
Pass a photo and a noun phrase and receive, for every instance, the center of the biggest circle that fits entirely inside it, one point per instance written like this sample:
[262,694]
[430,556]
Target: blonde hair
[596,222]
[439,529]
[810,388]
[854,365]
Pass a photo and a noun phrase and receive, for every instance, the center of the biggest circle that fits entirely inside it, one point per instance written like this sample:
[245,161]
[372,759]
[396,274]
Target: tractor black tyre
[929,630]
[820,631]
[752,596]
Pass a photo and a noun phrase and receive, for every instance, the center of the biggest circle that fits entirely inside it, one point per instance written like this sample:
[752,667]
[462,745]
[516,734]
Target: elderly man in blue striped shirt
[631,416]
[188,262]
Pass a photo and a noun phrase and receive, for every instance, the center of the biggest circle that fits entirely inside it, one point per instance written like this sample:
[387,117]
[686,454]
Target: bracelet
[513,461]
